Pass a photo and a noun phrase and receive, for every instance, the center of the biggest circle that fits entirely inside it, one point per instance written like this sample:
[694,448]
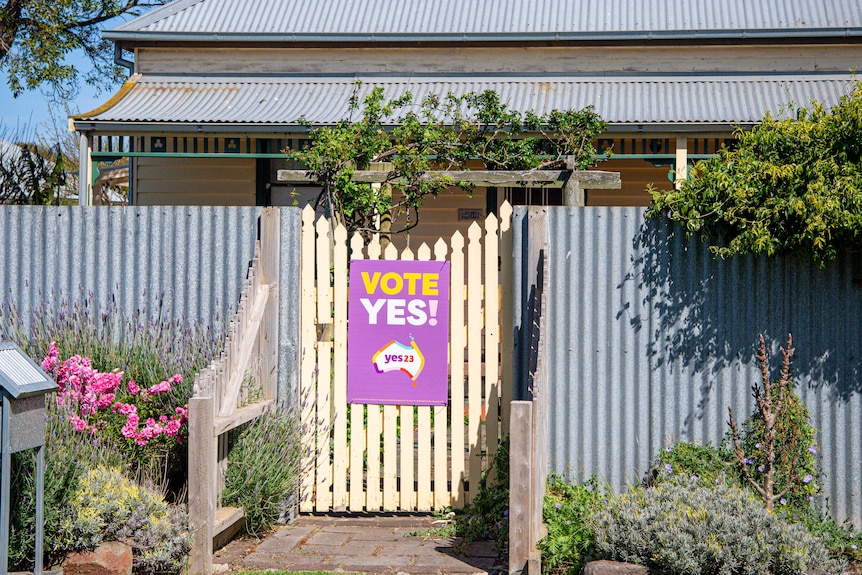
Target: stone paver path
[355,544]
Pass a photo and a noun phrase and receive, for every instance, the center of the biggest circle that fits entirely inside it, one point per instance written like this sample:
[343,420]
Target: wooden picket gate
[403,458]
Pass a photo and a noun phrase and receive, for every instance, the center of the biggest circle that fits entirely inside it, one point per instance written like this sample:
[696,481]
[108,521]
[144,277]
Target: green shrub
[569,513]
[263,470]
[106,506]
[68,457]
[705,462]
[843,541]
[683,527]
[486,517]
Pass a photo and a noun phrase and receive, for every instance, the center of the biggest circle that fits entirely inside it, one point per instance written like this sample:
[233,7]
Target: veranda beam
[586,179]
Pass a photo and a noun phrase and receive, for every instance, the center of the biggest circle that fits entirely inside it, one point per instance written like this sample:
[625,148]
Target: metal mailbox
[23,386]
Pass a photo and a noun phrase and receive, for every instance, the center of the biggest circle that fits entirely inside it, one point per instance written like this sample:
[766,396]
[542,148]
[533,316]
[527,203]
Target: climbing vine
[788,186]
[409,139]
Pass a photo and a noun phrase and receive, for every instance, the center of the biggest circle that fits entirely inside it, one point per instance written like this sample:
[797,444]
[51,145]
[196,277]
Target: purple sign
[398,333]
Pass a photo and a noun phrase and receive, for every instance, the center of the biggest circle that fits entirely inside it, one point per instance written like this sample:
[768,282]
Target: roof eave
[251,129]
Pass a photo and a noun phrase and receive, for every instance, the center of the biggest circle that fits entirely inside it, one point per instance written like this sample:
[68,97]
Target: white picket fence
[403,458]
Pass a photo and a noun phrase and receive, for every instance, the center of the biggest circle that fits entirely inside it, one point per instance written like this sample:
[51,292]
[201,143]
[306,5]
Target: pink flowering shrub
[99,403]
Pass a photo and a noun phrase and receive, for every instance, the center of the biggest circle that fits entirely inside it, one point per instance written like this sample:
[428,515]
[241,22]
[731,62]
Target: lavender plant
[684,527]
[149,348]
[693,459]
[148,345]
[263,471]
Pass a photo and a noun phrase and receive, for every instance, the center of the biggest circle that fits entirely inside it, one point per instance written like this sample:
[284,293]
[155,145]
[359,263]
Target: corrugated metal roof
[505,20]
[619,100]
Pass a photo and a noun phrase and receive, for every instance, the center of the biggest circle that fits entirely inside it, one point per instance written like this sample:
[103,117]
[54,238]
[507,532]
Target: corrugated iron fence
[650,339]
[196,257]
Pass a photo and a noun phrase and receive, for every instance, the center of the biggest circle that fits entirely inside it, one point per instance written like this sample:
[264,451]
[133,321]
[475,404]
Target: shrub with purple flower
[689,458]
[783,457]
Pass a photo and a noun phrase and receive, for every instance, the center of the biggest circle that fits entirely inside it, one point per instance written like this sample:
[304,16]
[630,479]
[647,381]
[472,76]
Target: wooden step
[228,522]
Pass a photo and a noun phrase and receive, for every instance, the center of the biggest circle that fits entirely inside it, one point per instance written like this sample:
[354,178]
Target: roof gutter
[504,37]
[252,130]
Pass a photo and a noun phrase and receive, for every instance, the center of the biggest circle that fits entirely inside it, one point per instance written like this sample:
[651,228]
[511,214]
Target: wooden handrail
[219,402]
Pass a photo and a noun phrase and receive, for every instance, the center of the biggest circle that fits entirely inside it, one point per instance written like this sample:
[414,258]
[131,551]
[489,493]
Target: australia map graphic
[396,356]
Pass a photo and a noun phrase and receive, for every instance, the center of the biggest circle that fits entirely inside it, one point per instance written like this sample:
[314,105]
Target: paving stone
[370,543]
[326,538]
[290,564]
[437,559]
[279,544]
[378,535]
[347,528]
[350,544]
[276,561]
[415,551]
[481,549]
[369,561]
[330,550]
[441,569]
[295,531]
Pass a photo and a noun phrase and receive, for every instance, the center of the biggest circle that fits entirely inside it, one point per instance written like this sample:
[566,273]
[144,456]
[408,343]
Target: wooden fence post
[270,249]
[202,467]
[528,453]
[520,485]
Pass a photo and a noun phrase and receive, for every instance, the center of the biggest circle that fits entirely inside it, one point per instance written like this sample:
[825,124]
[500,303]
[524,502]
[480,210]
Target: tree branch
[10,21]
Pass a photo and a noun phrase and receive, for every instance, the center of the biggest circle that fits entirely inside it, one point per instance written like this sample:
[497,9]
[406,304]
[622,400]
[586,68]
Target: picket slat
[424,497]
[474,356]
[324,289]
[339,370]
[407,440]
[308,361]
[442,495]
[457,344]
[323,491]
[390,436]
[357,427]
[492,335]
[390,458]
[506,327]
[373,496]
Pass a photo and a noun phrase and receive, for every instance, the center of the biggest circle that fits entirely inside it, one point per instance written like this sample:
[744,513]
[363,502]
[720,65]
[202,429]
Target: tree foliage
[439,133]
[789,186]
[37,35]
